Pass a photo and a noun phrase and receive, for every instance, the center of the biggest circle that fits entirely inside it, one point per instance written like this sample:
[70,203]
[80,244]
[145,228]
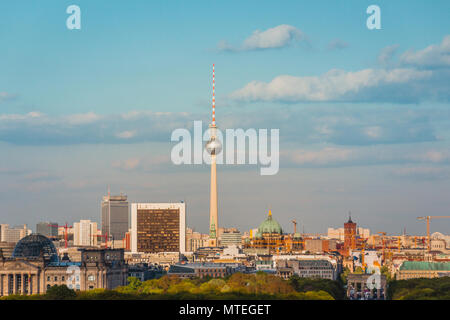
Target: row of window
[90,277]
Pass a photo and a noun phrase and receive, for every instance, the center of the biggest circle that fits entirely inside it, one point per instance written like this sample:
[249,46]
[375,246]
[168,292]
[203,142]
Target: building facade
[85,233]
[8,234]
[422,269]
[349,235]
[115,216]
[158,227]
[201,270]
[35,267]
[231,237]
[48,229]
[315,269]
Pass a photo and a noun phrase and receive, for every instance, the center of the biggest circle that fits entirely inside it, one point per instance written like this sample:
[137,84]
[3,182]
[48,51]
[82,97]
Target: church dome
[35,245]
[270,225]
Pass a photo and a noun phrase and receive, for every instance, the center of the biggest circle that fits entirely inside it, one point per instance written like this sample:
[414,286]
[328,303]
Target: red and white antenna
[214,102]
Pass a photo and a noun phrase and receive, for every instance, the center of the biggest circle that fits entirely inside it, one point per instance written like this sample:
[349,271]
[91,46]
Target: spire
[213,101]
[350,217]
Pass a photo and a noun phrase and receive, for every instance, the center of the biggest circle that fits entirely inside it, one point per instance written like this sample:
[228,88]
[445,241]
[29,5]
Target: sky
[363,114]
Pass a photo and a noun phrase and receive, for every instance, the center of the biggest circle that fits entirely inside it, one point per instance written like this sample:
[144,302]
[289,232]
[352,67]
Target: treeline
[420,289]
[237,286]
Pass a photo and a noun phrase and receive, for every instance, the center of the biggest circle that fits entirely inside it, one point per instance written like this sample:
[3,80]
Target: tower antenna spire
[213,99]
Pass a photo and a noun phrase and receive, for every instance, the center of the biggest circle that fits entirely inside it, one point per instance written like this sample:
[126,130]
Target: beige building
[85,233]
[34,267]
[8,234]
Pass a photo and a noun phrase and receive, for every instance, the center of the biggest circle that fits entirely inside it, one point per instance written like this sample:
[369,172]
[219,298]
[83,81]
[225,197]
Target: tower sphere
[213,146]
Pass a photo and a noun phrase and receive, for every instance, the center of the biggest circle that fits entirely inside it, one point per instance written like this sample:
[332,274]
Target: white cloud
[373,132]
[335,85]
[386,54]
[320,157]
[277,37]
[419,76]
[422,172]
[82,118]
[4,96]
[432,56]
[126,134]
[337,44]
[127,165]
[21,117]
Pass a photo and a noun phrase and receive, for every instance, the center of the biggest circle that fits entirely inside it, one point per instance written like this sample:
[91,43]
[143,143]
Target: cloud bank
[411,82]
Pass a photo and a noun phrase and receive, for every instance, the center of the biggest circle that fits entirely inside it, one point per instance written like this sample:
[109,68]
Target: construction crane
[66,227]
[295,226]
[428,218]
[102,236]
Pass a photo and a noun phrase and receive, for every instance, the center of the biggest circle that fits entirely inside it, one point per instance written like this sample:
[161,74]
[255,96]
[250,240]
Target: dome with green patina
[270,225]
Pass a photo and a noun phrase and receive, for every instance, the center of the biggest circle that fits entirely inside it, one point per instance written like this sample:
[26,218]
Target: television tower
[213,147]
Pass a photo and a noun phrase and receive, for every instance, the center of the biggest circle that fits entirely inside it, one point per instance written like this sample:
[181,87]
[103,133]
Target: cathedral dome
[35,245]
[270,225]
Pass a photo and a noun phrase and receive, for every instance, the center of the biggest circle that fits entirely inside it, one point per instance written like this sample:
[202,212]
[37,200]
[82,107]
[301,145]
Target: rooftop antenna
[214,101]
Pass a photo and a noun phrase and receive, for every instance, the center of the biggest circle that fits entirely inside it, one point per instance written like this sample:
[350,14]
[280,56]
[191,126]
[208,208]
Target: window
[91,277]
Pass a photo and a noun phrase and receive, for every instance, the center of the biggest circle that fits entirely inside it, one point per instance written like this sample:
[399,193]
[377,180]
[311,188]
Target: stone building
[270,235]
[315,269]
[366,286]
[422,269]
[35,266]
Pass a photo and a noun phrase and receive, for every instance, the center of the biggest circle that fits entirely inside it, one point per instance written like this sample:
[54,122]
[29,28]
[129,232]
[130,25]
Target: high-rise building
[48,229]
[158,227]
[115,216]
[213,147]
[85,233]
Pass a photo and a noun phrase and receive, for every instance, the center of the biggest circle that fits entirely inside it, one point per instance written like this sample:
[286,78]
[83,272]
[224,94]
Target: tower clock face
[213,146]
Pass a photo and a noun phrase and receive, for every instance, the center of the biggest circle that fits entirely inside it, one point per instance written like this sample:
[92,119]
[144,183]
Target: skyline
[363,114]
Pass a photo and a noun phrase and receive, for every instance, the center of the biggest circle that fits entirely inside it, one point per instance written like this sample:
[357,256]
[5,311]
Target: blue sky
[363,114]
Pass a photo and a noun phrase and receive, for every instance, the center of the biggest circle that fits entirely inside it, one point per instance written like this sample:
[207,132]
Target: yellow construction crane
[428,218]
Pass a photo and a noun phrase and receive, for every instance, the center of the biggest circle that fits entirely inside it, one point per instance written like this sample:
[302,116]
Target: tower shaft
[213,217]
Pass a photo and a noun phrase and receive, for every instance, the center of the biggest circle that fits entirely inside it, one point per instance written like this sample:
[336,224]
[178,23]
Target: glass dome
[35,245]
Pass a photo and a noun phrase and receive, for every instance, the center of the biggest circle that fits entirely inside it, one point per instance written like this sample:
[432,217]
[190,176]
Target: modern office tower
[158,227]
[13,234]
[85,233]
[213,147]
[48,229]
[115,217]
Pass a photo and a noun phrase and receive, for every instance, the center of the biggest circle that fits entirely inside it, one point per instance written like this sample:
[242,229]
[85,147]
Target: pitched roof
[422,265]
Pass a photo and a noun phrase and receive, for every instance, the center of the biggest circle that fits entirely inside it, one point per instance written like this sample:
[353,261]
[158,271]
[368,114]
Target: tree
[61,292]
